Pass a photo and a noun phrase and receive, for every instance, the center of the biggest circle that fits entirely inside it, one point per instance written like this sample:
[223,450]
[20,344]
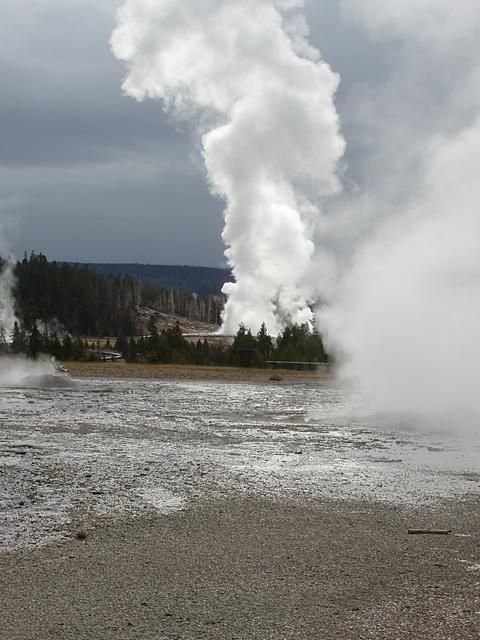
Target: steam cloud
[7,276]
[262,100]
[18,371]
[404,304]
[7,302]
[394,260]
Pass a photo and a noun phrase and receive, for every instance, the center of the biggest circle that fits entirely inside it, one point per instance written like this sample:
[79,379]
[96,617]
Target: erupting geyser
[396,262]
[262,100]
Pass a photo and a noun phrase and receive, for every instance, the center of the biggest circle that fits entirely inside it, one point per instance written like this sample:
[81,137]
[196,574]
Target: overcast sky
[90,175]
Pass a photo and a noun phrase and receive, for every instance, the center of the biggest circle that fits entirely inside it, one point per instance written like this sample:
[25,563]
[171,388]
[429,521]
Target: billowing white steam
[404,311]
[262,99]
[397,261]
[18,371]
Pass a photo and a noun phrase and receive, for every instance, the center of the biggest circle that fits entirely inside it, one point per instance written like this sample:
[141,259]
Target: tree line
[34,343]
[56,301]
[297,343]
[88,304]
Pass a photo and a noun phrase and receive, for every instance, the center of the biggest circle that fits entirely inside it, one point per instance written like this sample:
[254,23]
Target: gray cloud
[90,174]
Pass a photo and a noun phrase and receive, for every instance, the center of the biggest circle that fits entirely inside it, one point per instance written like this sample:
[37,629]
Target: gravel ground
[230,510]
[251,568]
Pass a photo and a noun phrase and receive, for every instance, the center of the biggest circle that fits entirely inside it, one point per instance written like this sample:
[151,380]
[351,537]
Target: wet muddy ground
[126,448]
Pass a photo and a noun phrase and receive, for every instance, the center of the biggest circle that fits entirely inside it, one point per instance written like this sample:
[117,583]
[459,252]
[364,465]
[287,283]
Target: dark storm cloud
[61,101]
[90,174]
[85,172]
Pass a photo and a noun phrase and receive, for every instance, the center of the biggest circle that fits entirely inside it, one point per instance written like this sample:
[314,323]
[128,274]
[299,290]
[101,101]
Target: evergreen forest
[63,309]
[88,304]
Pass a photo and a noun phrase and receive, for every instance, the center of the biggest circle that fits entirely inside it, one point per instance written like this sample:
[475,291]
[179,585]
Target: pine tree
[17,339]
[67,348]
[35,342]
[265,342]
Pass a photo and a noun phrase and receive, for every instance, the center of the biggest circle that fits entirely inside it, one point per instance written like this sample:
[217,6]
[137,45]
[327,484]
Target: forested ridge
[86,303]
[62,309]
[200,280]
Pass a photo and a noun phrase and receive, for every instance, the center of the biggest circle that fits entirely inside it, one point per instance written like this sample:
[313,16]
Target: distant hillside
[69,297]
[201,280]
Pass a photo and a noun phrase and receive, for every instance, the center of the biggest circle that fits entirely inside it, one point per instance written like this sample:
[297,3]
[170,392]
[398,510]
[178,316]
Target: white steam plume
[7,276]
[7,302]
[18,371]
[262,99]
[404,308]
[398,261]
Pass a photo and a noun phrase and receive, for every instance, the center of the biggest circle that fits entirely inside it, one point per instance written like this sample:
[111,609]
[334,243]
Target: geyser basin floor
[247,568]
[221,510]
[127,446]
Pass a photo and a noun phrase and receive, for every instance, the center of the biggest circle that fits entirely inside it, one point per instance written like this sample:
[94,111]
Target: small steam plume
[19,371]
[7,302]
[7,276]
[262,101]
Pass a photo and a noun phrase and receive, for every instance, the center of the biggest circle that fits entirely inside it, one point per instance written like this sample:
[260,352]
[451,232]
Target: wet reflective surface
[123,446]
